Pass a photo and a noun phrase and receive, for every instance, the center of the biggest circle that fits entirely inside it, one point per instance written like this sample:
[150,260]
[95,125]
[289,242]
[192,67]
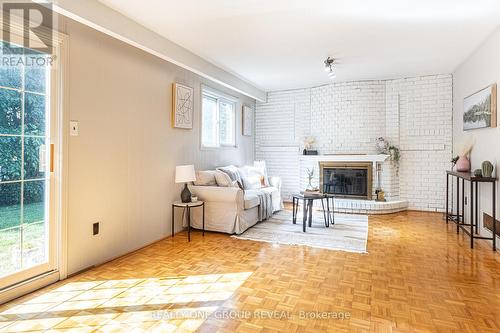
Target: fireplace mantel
[345,158]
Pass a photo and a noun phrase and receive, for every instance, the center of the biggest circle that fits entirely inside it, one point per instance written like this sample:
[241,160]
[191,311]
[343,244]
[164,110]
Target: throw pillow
[261,166]
[205,178]
[250,177]
[231,171]
[223,179]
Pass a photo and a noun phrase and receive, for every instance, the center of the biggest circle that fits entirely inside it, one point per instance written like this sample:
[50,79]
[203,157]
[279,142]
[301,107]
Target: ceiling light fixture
[329,67]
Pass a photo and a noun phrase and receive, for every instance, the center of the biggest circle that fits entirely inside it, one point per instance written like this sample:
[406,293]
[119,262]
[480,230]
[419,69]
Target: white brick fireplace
[378,161]
[414,114]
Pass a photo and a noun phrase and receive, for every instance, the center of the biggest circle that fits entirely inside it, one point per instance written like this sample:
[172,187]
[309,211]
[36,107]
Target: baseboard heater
[488,223]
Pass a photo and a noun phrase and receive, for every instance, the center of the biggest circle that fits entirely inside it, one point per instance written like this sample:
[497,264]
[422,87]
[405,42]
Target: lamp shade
[184,173]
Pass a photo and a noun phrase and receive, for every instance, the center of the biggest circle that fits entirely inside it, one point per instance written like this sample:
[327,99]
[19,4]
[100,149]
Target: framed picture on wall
[182,106]
[480,109]
[247,118]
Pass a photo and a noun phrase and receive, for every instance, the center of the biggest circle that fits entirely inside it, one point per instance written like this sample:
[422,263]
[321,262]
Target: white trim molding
[102,18]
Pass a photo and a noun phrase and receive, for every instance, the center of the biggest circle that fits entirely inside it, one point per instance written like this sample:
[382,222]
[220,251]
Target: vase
[463,164]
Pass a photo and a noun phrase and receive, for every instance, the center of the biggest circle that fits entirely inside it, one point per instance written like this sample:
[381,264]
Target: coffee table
[308,201]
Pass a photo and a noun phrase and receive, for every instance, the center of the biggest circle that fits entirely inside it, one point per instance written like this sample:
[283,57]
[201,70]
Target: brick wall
[413,113]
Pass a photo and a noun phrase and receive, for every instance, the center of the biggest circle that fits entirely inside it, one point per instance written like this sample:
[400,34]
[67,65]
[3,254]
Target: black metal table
[187,208]
[459,217]
[308,201]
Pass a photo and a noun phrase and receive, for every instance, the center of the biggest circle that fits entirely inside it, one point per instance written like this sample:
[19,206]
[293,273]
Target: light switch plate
[73,128]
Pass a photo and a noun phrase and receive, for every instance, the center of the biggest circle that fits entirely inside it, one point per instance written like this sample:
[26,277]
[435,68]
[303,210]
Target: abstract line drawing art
[182,106]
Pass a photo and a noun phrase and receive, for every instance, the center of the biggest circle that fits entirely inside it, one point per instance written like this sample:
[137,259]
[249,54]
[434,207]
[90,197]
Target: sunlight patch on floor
[163,304]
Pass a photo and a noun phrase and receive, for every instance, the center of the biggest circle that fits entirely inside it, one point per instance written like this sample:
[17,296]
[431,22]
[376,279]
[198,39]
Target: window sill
[219,148]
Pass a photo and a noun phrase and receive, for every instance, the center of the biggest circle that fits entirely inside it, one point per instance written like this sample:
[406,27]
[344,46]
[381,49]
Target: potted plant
[394,153]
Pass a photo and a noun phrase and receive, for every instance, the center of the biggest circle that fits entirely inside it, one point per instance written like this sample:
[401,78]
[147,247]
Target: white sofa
[231,209]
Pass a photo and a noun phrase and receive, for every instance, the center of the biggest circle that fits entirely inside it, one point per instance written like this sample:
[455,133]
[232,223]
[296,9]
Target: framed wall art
[182,106]
[480,109]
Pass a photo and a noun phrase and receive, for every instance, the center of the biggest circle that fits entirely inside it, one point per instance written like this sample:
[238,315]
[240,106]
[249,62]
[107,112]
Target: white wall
[121,167]
[346,117]
[481,69]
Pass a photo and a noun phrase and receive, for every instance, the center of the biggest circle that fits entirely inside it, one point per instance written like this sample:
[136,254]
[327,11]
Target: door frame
[57,179]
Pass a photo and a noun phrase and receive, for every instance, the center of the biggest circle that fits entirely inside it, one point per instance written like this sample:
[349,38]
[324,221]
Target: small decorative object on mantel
[454,161]
[480,109]
[382,145]
[486,169]
[182,106]
[478,173]
[308,142]
[380,195]
[463,162]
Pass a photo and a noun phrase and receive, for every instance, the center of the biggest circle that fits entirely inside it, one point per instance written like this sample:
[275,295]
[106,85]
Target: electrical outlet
[95,228]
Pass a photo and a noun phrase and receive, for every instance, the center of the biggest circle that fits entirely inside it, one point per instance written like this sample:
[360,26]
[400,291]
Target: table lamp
[185,174]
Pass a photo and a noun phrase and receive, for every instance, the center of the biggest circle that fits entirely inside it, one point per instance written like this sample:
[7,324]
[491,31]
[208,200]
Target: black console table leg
[458,203]
[476,208]
[463,201]
[447,198]
[472,215]
[494,211]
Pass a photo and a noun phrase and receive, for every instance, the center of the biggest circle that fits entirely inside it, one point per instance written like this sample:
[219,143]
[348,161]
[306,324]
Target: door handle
[51,157]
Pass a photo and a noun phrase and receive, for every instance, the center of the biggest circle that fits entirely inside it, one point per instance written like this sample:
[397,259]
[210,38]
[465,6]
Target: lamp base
[185,194]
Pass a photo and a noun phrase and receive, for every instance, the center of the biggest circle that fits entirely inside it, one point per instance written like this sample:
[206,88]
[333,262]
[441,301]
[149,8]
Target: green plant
[394,152]
[454,160]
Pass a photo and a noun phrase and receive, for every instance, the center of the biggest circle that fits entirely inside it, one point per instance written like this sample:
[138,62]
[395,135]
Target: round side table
[187,207]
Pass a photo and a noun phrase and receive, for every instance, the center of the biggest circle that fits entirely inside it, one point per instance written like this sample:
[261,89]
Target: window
[218,124]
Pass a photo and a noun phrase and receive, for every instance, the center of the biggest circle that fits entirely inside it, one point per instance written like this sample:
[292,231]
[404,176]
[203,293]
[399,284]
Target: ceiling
[281,44]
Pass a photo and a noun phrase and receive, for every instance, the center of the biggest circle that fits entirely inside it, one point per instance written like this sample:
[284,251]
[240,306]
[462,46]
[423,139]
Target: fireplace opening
[344,179]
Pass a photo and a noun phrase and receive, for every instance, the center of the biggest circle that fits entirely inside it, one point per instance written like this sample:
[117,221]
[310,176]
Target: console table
[459,217]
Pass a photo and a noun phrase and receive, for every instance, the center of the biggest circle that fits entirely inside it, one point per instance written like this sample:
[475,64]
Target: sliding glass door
[27,241]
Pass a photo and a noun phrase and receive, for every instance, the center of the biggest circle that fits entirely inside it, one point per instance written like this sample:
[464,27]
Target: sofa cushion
[205,178]
[251,200]
[223,179]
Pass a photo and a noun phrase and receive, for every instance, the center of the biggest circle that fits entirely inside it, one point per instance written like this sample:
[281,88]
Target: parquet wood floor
[418,276]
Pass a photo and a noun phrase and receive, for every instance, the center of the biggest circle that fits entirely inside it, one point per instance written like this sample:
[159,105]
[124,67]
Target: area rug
[349,233]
